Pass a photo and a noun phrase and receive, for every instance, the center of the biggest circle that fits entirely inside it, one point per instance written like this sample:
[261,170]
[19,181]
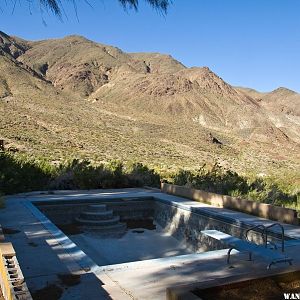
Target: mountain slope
[193,96]
[77,64]
[283,109]
[152,83]
[73,97]
[281,100]
[13,47]
[158,63]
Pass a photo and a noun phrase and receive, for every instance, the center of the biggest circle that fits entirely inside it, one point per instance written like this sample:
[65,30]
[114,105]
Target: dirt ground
[267,289]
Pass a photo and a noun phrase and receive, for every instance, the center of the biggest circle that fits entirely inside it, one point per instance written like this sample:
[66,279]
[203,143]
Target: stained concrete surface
[132,246]
[42,258]
[148,279]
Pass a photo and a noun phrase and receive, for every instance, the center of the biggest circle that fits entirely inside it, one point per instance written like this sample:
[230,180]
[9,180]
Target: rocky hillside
[281,100]
[72,96]
[283,109]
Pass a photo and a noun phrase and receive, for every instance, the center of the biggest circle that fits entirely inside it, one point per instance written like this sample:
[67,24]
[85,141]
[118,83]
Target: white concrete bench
[235,243]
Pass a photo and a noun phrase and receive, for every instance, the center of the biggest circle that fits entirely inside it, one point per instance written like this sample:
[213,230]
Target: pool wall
[64,212]
[183,224]
[186,225]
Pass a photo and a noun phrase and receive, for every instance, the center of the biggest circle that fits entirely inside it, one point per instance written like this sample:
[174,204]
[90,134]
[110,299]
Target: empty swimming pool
[119,230]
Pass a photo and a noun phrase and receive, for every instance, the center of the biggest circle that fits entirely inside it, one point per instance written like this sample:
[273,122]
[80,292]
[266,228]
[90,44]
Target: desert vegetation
[146,107]
[217,180]
[2,201]
[109,110]
[20,173]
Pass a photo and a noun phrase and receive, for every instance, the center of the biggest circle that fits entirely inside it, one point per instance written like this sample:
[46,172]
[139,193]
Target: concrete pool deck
[43,253]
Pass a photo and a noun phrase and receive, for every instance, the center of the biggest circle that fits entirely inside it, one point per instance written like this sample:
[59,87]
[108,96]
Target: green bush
[226,182]
[183,177]
[22,174]
[81,174]
[2,201]
[19,173]
[141,175]
[117,177]
[215,180]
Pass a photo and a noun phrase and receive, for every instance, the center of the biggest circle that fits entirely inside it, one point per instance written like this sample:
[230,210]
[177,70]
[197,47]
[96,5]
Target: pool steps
[97,217]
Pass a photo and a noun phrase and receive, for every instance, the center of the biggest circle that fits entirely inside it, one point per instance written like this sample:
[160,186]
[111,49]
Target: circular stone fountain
[97,217]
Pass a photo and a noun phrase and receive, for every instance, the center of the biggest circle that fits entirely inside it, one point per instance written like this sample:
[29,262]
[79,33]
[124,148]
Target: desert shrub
[2,201]
[226,182]
[235,193]
[87,176]
[117,178]
[214,180]
[223,181]
[65,177]
[22,174]
[80,174]
[266,191]
[183,177]
[141,175]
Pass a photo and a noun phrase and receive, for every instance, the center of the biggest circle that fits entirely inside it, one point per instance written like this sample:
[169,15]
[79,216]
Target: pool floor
[136,244]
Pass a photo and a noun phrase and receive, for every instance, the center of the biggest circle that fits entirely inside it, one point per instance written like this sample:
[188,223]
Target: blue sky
[252,43]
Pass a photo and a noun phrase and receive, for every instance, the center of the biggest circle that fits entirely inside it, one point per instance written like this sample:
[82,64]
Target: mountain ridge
[72,95]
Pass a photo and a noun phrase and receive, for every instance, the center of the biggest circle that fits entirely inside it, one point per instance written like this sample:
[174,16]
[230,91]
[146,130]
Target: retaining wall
[268,211]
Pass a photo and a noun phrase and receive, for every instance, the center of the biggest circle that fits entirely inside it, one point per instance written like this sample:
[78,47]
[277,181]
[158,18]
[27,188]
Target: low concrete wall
[12,282]
[276,213]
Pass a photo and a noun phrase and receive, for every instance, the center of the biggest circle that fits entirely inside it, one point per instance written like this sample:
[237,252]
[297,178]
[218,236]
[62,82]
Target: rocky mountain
[283,109]
[158,63]
[72,96]
[13,47]
[281,100]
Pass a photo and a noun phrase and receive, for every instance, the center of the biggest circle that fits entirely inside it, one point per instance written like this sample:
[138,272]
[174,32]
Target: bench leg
[228,255]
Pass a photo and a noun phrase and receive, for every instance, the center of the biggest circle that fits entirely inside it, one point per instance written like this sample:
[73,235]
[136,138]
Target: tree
[56,5]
